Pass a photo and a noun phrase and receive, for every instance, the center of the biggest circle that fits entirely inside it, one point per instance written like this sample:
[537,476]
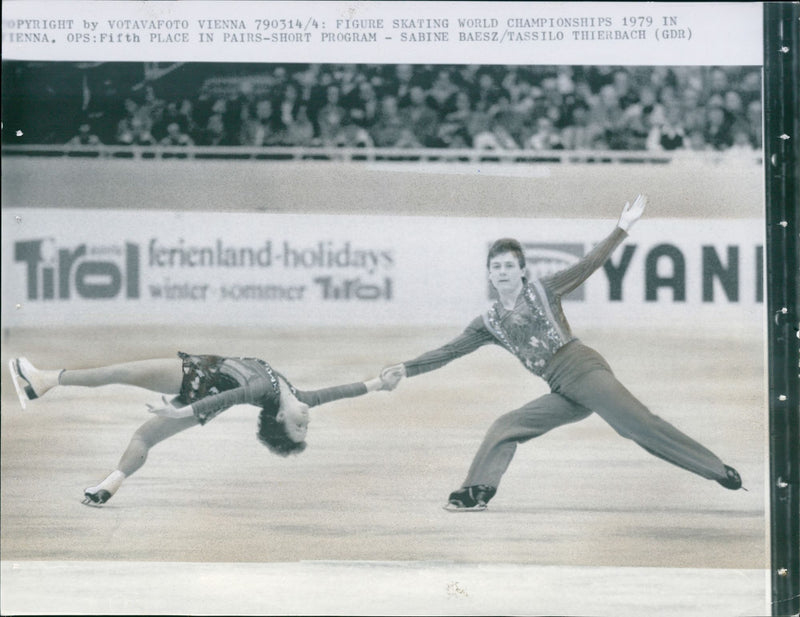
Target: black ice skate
[94,497]
[733,481]
[470,499]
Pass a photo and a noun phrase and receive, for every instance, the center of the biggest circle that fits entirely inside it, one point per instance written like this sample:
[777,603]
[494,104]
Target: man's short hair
[507,245]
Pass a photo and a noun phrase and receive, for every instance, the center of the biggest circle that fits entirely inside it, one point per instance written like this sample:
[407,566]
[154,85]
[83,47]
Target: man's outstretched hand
[632,212]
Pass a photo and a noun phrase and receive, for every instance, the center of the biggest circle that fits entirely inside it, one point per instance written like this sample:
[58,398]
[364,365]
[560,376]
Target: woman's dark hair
[273,433]
[507,245]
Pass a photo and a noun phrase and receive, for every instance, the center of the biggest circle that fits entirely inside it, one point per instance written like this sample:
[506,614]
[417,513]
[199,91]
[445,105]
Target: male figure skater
[528,320]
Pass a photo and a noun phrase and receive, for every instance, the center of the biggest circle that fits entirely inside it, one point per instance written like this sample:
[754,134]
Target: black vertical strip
[781,148]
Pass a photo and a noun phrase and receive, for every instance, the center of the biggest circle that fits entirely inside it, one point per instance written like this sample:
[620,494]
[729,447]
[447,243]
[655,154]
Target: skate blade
[17,380]
[96,500]
[449,507]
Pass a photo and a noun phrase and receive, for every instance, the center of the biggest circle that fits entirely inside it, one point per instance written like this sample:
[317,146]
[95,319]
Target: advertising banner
[121,267]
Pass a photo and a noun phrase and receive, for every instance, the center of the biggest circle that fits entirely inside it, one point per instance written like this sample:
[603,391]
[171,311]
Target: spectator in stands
[419,116]
[718,129]
[169,115]
[635,126]
[668,97]
[135,126]
[366,106]
[231,113]
[330,118]
[494,137]
[153,106]
[301,131]
[390,129]
[176,137]
[519,94]
[734,108]
[749,86]
[554,106]
[689,78]
[717,82]
[460,117]
[488,91]
[692,112]
[453,136]
[348,78]
[480,122]
[512,122]
[443,93]
[668,132]
[251,132]
[580,133]
[660,77]
[215,133]
[545,136]
[607,113]
[439,106]
[624,89]
[466,76]
[279,77]
[260,125]
[599,76]
[407,139]
[352,135]
[649,105]
[135,132]
[399,82]
[565,82]
[289,104]
[306,82]
[186,117]
[85,137]
[753,119]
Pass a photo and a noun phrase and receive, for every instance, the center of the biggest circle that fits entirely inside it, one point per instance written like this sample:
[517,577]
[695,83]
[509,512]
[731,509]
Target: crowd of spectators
[439,106]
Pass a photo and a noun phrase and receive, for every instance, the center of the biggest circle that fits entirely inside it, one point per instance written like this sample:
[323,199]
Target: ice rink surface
[584,522]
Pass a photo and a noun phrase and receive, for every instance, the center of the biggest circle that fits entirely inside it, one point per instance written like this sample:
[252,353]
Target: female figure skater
[203,386]
[528,320]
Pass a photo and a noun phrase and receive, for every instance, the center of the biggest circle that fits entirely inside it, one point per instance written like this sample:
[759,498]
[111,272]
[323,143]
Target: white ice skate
[23,387]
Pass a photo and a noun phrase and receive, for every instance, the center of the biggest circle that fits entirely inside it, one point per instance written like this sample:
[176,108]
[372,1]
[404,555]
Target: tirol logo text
[90,272]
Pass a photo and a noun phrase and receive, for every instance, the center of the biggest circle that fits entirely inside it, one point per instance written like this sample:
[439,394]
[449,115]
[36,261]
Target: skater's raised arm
[563,282]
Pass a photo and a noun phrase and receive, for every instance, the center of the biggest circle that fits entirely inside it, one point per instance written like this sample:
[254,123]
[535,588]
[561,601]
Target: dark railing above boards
[425,155]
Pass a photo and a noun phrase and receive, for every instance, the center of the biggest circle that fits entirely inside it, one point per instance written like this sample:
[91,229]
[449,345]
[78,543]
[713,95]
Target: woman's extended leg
[146,436]
[161,375]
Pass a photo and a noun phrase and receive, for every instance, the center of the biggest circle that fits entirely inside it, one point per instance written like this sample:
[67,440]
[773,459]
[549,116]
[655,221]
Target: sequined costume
[536,331]
[212,384]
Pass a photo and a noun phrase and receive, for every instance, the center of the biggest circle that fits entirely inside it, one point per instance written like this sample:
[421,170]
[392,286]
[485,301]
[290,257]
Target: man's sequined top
[534,329]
